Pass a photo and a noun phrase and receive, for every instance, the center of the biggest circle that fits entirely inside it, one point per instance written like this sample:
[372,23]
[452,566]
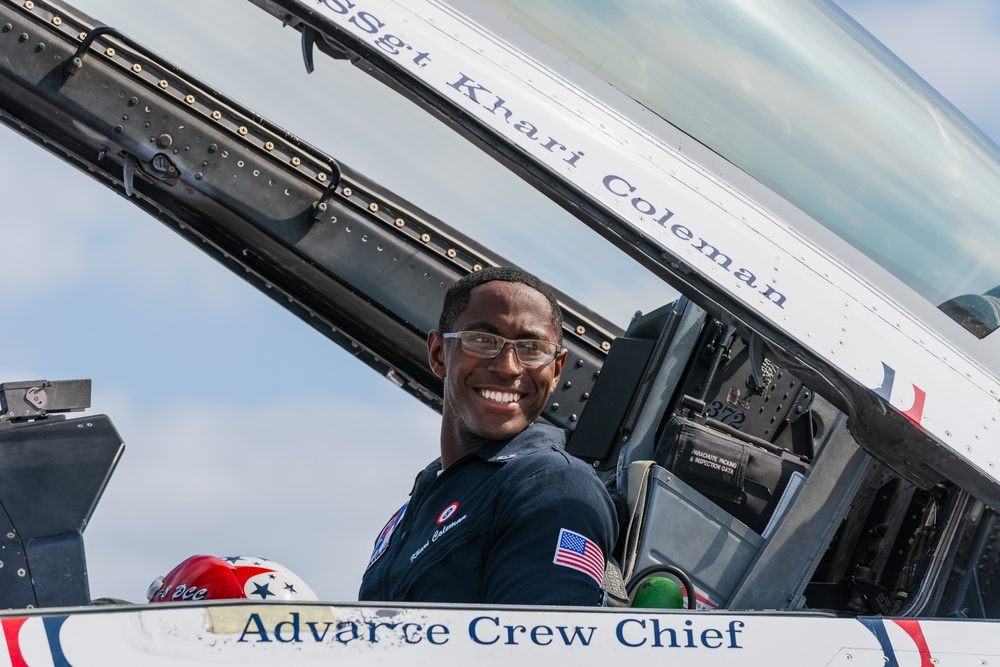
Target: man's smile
[499,396]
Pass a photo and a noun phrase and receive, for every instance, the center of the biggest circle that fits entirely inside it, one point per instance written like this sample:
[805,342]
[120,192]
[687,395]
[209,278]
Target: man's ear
[557,367]
[435,353]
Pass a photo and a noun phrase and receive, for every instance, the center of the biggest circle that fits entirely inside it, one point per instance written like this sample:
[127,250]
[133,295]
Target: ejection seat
[693,491]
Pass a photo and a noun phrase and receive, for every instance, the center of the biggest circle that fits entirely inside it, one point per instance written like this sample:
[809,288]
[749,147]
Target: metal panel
[52,474]
[362,266]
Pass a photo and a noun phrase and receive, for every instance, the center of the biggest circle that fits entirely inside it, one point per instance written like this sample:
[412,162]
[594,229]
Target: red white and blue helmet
[230,578]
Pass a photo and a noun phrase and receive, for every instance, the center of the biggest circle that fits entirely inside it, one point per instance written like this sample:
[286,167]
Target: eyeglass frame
[457,335]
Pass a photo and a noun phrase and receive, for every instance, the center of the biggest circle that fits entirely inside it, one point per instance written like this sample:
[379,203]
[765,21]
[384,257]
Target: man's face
[495,399]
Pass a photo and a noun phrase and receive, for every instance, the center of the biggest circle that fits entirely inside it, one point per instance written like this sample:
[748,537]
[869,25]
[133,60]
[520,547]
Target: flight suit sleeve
[554,528]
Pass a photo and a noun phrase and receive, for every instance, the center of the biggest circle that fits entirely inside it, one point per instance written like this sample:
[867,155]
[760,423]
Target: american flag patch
[576,551]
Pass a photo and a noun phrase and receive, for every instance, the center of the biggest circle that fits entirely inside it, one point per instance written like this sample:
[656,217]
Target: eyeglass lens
[529,352]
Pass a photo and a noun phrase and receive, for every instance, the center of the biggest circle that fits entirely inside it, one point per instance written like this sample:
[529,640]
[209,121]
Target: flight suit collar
[532,439]
[535,438]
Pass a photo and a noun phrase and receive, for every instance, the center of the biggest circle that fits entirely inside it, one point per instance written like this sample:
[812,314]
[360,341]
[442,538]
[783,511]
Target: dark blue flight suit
[515,522]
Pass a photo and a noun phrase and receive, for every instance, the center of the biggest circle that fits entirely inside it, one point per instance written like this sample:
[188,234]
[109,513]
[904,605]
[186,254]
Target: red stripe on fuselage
[11,630]
[916,633]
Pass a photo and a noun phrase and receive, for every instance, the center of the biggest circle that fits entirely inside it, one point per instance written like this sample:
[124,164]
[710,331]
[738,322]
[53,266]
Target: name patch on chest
[438,533]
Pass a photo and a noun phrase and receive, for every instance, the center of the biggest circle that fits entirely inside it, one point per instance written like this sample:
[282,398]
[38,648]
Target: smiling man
[505,516]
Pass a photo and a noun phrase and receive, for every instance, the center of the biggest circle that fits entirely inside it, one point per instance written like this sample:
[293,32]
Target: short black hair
[456,300]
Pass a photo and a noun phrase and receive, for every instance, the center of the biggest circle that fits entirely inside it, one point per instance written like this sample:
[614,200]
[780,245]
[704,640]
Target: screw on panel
[29,5]
[56,20]
[216,115]
[373,207]
[296,161]
[21,572]
[426,238]
[269,146]
[394,378]
[82,36]
[109,52]
[605,346]
[347,192]
[163,84]
[477,267]
[243,130]
[451,253]
[189,99]
[321,177]
[11,535]
[137,68]
[400,222]
[580,330]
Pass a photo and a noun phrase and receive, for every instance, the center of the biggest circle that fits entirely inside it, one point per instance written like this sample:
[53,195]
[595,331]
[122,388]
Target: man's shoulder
[538,440]
[543,451]
[549,477]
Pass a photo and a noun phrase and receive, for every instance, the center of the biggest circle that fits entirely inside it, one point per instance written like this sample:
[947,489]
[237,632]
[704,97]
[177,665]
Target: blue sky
[246,430]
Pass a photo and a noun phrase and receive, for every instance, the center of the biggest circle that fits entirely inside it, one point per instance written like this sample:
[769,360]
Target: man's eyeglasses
[531,353]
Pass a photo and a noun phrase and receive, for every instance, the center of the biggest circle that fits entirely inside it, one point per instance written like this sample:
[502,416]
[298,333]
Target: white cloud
[60,228]
[41,245]
[306,483]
